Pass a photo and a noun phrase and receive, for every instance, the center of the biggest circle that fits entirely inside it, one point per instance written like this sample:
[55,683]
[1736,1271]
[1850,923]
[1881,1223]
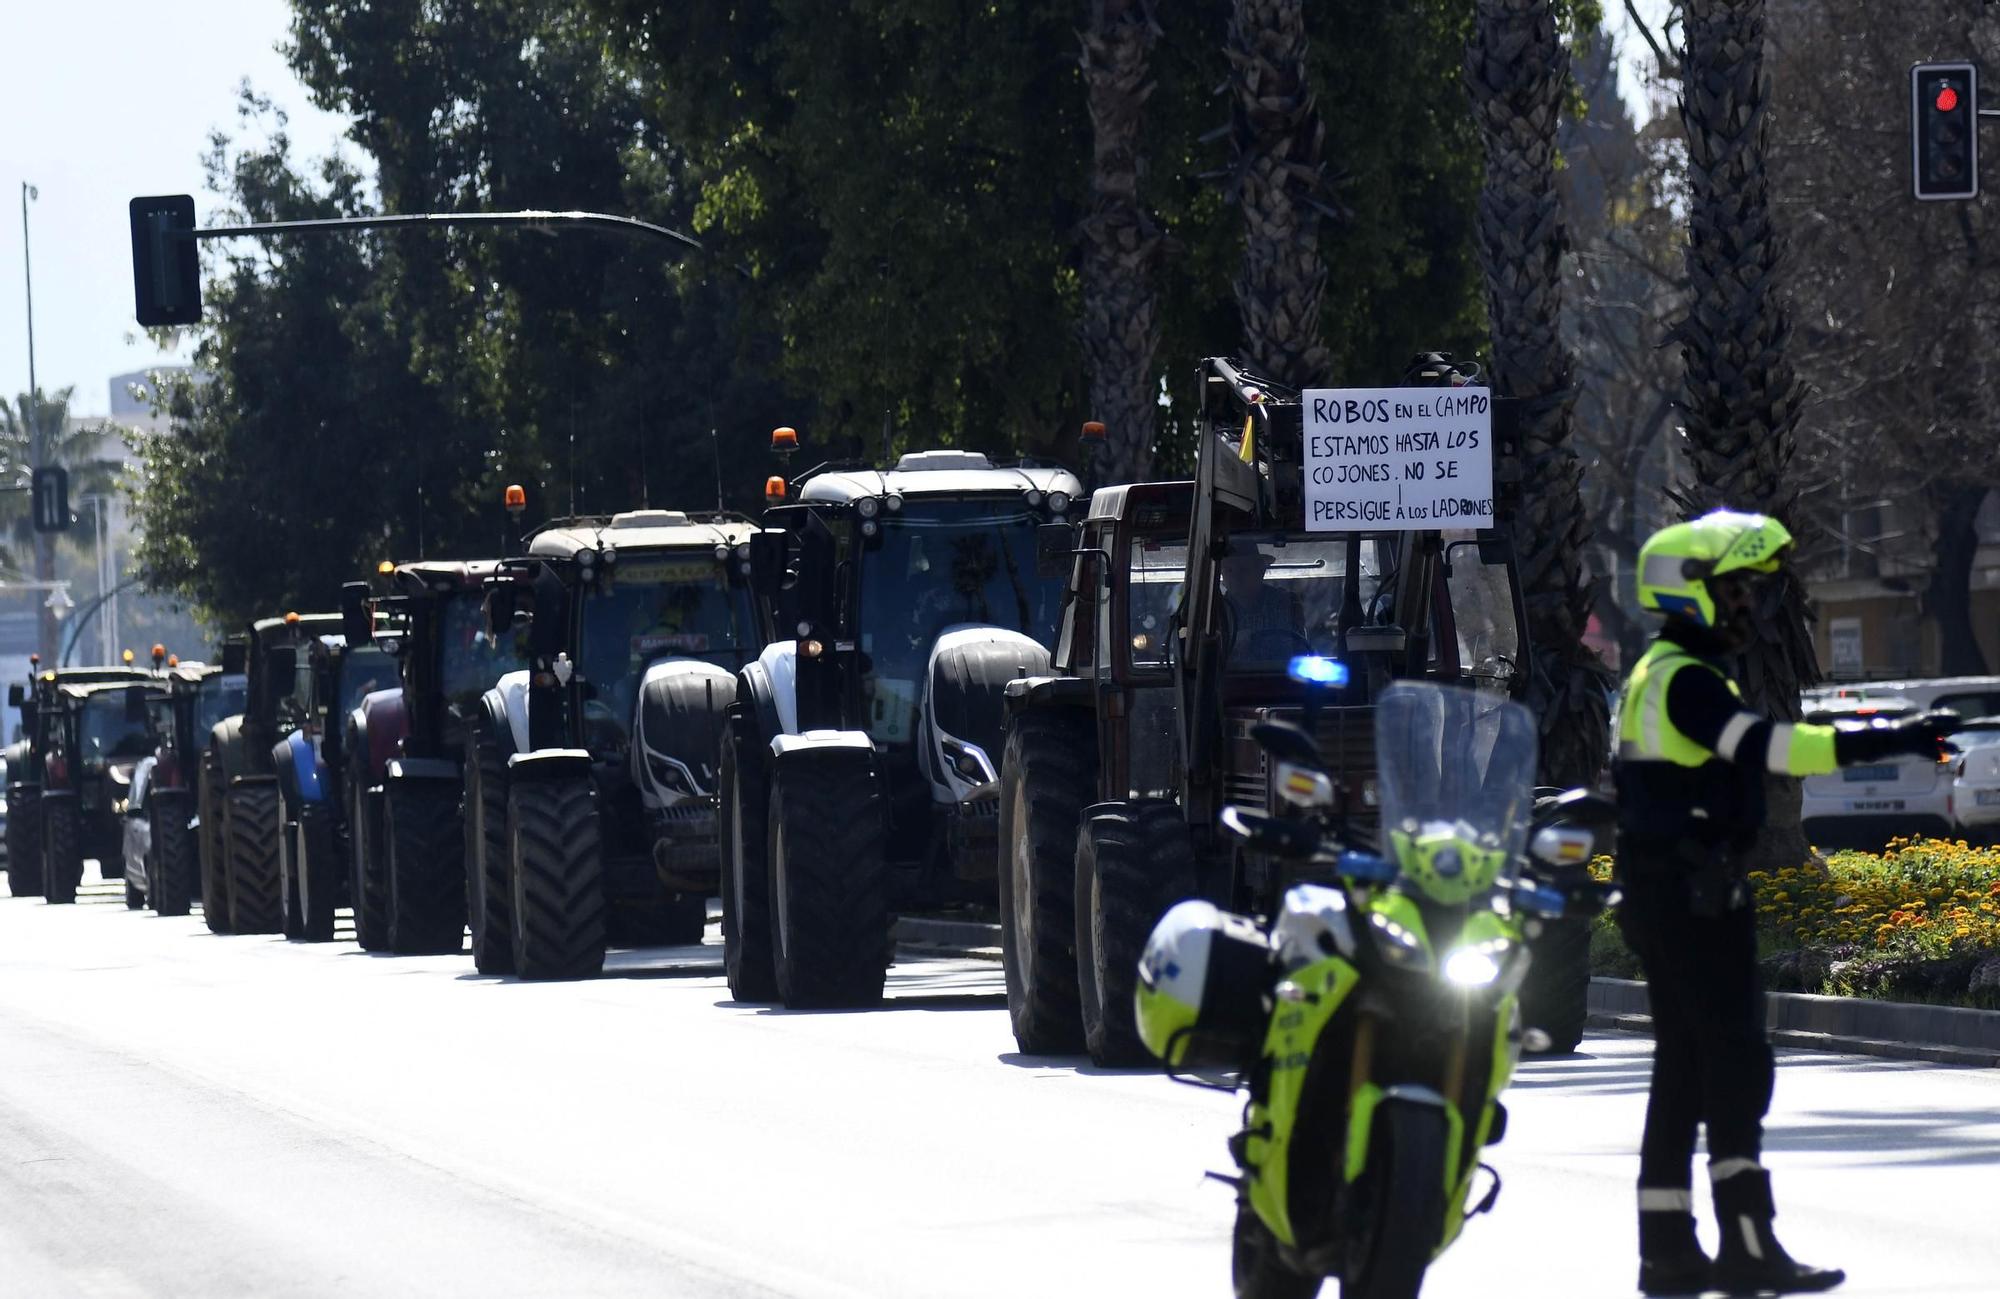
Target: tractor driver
[1267,621]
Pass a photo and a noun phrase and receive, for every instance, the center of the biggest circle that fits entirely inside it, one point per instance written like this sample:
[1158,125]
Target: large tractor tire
[172,879]
[421,829]
[746,877]
[24,841]
[1133,861]
[830,921]
[673,920]
[1255,1267]
[62,846]
[556,871]
[1047,773]
[135,897]
[1406,1165]
[315,872]
[291,872]
[368,883]
[489,900]
[212,843]
[1555,997]
[256,891]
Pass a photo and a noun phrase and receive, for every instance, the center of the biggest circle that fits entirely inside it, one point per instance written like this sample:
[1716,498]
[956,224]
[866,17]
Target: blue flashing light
[1317,670]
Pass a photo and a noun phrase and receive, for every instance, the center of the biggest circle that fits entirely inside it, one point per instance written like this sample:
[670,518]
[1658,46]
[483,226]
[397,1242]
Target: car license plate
[1986,797]
[1876,805]
[1857,775]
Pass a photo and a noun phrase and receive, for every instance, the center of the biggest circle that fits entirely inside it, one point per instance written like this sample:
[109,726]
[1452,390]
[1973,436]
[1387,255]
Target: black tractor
[81,736]
[1196,612]
[858,767]
[589,774]
[405,749]
[195,697]
[311,763]
[242,888]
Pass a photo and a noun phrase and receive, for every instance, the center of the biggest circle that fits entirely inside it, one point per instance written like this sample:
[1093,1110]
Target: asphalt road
[182,1114]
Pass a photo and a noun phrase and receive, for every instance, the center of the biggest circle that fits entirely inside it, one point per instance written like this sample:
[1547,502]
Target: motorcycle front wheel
[1406,1165]
[1255,1267]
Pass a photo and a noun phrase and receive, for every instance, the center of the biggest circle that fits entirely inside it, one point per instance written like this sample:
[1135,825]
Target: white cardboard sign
[1394,459]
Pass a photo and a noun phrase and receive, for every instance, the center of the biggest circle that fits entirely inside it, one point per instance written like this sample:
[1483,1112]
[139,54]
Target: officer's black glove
[1922,736]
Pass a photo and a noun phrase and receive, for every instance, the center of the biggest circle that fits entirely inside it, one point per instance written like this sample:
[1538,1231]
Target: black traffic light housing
[48,487]
[1944,130]
[166,273]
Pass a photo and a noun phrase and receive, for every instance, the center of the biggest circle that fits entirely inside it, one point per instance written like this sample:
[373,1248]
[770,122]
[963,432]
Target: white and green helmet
[1676,562]
[1202,981]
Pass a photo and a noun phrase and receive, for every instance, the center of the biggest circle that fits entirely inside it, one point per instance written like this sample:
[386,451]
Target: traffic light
[1944,130]
[50,489]
[166,273]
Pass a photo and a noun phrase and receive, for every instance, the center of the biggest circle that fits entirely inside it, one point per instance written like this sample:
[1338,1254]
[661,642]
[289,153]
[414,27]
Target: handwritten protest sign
[1390,459]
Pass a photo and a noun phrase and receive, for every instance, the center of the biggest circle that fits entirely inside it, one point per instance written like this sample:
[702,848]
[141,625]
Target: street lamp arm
[90,611]
[533,219]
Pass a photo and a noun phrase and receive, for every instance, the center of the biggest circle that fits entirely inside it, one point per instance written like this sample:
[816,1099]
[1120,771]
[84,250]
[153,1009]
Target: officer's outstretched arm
[1703,708]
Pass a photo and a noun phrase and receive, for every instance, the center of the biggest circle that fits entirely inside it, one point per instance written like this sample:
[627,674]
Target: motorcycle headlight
[1399,947]
[1478,965]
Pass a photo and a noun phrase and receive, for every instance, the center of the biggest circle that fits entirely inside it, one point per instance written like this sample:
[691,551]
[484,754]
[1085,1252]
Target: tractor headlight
[1033,496]
[869,527]
[968,760]
[1058,502]
[868,506]
[893,502]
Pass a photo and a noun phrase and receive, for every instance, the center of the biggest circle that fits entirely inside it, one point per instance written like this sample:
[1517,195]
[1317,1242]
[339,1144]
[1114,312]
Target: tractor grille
[1346,740]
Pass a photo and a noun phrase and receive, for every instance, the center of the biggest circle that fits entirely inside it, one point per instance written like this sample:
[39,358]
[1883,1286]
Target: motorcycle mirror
[1287,743]
[1562,845]
[1584,805]
[1271,834]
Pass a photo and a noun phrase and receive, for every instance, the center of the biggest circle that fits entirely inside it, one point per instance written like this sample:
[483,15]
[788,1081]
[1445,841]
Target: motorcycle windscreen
[1453,757]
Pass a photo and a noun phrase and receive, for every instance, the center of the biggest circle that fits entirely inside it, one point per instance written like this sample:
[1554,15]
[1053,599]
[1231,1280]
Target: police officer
[1690,771]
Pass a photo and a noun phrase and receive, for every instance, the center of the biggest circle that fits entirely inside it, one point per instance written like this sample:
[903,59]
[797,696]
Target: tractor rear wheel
[489,902]
[1133,861]
[291,872]
[830,921]
[213,841]
[24,841]
[171,880]
[62,849]
[557,875]
[367,885]
[746,879]
[256,904]
[1047,772]
[420,828]
[316,872]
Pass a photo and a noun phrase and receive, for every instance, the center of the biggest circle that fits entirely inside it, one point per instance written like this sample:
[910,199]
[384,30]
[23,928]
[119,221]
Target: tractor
[405,746]
[1190,610]
[588,779]
[242,889]
[66,774]
[336,675]
[195,698]
[858,763]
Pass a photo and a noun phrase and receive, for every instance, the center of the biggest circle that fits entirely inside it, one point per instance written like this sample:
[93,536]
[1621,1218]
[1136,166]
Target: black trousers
[1712,1061]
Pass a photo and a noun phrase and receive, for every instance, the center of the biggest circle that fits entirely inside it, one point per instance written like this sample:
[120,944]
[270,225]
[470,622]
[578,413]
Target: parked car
[1966,696]
[1866,806]
[1975,781]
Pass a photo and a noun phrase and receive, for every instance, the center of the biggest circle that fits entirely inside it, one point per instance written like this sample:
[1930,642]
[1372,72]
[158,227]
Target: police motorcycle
[1374,1021]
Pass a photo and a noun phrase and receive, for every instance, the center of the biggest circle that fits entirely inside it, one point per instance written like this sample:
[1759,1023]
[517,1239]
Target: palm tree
[1741,398]
[1516,72]
[1276,137]
[36,430]
[1121,241]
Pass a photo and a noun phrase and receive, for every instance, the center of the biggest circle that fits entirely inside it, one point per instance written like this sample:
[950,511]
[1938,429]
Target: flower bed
[1919,921]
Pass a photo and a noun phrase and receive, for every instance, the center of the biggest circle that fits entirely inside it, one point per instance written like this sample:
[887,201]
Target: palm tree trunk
[1276,137]
[1121,241]
[1515,71]
[1741,398]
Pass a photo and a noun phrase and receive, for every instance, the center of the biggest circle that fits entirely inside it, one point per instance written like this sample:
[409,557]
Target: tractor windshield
[217,698]
[1281,596]
[936,564]
[113,726]
[653,608]
[472,662]
[362,671]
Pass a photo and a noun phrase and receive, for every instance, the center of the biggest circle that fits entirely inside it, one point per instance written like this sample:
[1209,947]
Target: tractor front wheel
[24,841]
[489,902]
[1047,772]
[171,881]
[62,849]
[256,901]
[420,827]
[557,874]
[746,878]
[830,921]
[1133,861]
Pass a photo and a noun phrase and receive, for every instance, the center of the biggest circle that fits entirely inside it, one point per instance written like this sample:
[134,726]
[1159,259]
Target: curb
[1895,1030]
[924,936]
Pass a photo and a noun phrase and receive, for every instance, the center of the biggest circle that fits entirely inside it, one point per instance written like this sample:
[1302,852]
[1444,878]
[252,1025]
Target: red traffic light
[1947,98]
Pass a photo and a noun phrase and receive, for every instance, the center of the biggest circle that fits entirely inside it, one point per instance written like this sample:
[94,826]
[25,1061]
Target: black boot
[1751,1260]
[1671,1261]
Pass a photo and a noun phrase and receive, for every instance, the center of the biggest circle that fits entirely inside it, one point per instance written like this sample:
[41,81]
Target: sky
[102,100]
[108,99]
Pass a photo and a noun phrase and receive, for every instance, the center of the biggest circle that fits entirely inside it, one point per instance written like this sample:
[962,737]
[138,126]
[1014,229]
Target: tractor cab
[72,746]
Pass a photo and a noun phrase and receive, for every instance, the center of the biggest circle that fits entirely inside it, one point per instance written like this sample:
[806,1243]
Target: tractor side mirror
[500,606]
[1055,547]
[235,657]
[281,663]
[545,633]
[16,695]
[135,707]
[357,623]
[770,553]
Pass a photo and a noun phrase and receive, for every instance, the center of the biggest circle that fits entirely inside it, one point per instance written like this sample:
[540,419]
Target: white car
[1866,806]
[1975,781]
